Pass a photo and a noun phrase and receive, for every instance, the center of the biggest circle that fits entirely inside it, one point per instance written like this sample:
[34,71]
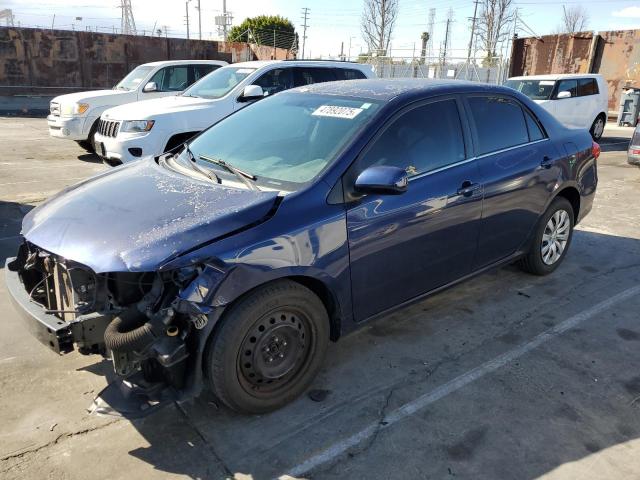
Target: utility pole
[305,13]
[444,50]
[186,6]
[224,14]
[199,21]
[127,22]
[473,30]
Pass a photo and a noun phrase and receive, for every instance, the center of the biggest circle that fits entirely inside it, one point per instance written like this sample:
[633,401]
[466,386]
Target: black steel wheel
[268,348]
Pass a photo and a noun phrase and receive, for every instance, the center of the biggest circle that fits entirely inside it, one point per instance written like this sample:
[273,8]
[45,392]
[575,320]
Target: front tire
[552,239]
[597,128]
[268,349]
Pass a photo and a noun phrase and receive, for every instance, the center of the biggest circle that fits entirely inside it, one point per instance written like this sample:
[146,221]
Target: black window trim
[474,131]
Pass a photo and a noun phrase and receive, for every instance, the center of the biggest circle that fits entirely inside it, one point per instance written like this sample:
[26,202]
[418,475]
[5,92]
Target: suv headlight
[134,126]
[75,109]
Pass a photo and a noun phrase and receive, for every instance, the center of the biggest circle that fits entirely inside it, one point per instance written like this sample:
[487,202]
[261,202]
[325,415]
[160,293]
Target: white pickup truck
[142,129]
[75,116]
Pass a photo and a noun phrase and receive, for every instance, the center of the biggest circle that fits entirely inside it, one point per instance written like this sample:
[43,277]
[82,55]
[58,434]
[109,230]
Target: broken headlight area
[148,323]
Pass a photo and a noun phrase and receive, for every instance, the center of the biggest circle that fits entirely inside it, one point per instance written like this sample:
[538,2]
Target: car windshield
[534,89]
[283,141]
[131,81]
[218,83]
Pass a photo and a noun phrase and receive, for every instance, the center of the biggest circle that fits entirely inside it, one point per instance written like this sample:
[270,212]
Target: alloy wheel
[555,237]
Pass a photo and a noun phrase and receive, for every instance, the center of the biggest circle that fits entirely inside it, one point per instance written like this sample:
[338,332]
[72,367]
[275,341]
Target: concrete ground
[505,376]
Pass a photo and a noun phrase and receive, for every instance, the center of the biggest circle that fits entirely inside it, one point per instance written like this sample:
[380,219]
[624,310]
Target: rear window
[587,86]
[500,123]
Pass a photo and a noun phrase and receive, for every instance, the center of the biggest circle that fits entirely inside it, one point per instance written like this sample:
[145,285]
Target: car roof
[557,76]
[386,89]
[306,63]
[182,62]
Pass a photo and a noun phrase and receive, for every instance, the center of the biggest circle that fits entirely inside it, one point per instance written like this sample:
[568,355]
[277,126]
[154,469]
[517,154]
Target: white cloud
[628,12]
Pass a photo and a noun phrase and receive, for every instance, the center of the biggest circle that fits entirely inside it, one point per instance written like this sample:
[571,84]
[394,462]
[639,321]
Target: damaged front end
[152,325]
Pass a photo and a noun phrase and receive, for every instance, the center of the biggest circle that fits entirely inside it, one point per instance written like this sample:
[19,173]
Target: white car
[75,116]
[576,100]
[153,127]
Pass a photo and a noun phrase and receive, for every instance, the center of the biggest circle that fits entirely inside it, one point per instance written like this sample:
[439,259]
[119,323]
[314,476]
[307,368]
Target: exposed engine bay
[144,322]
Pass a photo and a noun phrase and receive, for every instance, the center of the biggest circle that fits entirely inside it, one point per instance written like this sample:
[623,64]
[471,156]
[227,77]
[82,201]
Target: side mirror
[150,87]
[382,179]
[564,94]
[250,93]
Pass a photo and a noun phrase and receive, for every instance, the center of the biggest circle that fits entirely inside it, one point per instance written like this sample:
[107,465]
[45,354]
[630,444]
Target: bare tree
[494,22]
[574,19]
[378,20]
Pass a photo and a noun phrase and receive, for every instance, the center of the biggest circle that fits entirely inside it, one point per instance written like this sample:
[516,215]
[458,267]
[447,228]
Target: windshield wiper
[243,176]
[192,163]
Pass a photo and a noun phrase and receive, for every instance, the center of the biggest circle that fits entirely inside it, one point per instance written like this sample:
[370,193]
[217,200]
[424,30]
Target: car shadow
[614,144]
[89,158]
[416,350]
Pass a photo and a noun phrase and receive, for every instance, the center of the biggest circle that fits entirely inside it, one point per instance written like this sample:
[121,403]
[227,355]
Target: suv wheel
[597,128]
[552,239]
[268,349]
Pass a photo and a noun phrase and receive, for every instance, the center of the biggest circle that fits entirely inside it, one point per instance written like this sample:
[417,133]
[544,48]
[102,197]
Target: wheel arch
[572,194]
[178,139]
[318,287]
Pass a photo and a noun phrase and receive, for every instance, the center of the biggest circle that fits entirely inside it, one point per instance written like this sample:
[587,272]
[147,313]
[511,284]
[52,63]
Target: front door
[568,110]
[402,246]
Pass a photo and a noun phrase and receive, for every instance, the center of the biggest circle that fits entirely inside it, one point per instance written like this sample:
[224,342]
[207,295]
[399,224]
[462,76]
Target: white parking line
[408,409]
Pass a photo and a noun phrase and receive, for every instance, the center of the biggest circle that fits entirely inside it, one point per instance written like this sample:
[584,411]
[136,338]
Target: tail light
[595,150]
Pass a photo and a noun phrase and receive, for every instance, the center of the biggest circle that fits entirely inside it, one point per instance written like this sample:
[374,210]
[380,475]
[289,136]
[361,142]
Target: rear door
[517,163]
[402,246]
[588,94]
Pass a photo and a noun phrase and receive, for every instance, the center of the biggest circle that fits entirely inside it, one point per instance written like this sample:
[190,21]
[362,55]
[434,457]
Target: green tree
[266,30]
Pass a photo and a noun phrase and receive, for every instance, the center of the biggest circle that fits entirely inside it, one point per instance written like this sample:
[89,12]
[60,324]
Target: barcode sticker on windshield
[337,112]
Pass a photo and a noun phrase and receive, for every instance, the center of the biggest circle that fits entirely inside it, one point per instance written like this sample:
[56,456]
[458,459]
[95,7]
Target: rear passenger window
[535,132]
[587,86]
[500,123]
[349,74]
[307,76]
[275,81]
[568,86]
[423,139]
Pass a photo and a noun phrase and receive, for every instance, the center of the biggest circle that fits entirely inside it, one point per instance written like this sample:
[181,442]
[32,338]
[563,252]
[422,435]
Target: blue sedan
[231,262]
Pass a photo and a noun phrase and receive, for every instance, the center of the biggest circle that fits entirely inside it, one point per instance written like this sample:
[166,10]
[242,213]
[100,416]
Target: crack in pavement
[59,438]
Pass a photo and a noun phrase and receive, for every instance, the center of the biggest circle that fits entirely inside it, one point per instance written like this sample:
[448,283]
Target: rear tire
[597,128]
[552,239]
[268,349]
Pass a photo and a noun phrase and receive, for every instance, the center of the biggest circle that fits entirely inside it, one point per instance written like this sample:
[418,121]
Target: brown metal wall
[34,60]
[614,54]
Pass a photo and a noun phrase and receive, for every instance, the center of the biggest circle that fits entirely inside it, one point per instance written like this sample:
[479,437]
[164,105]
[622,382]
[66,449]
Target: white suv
[576,100]
[152,127]
[75,116]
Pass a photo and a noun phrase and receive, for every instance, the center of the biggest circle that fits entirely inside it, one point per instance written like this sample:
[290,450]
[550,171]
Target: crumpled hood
[136,217]
[158,107]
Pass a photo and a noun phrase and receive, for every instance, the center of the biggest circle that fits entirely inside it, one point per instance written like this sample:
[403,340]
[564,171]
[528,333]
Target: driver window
[423,139]
[172,79]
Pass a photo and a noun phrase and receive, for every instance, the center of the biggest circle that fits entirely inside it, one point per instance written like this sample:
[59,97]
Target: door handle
[547,162]
[467,188]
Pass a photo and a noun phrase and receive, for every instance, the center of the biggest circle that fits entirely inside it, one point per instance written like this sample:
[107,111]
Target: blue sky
[331,21]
